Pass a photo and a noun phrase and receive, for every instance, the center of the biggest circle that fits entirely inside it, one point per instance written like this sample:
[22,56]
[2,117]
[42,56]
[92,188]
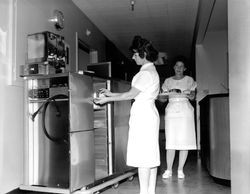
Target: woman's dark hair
[143,46]
[182,59]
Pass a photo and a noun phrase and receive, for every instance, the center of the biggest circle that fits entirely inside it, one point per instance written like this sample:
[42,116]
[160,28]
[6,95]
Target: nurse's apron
[179,125]
[143,146]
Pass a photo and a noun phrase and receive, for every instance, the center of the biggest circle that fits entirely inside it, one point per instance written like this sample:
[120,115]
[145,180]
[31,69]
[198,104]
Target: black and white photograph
[125,97]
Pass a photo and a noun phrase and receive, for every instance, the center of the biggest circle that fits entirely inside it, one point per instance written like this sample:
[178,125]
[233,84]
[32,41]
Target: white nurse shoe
[180,174]
[167,174]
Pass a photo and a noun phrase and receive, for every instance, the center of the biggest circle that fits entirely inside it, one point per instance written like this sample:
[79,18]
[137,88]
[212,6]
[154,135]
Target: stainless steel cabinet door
[82,165]
[81,102]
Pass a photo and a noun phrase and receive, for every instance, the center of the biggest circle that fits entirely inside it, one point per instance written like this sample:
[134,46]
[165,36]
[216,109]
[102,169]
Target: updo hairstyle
[143,46]
[182,59]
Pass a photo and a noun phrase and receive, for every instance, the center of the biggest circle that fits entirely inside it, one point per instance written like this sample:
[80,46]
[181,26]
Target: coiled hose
[59,140]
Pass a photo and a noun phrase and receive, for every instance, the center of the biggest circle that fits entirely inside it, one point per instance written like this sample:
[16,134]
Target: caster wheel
[115,186]
[131,178]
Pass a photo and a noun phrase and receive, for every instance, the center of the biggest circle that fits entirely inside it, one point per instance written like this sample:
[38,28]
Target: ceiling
[171,25]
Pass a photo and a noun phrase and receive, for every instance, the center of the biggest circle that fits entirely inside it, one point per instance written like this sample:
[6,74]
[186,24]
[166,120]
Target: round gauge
[59,20]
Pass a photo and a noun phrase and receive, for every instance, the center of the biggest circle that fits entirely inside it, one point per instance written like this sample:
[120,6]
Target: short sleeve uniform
[143,147]
[179,116]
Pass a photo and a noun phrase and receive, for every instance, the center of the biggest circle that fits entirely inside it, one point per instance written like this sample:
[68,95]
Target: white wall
[239,84]
[32,17]
[11,120]
[211,63]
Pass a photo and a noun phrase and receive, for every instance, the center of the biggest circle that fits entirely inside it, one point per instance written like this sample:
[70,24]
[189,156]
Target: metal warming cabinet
[72,145]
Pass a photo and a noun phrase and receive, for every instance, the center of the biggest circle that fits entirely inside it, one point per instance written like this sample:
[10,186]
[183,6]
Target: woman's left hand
[191,95]
[104,91]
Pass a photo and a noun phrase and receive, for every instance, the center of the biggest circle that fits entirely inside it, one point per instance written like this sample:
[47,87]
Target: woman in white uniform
[143,147]
[179,117]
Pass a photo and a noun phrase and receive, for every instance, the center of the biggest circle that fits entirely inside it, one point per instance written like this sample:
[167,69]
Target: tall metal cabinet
[59,135]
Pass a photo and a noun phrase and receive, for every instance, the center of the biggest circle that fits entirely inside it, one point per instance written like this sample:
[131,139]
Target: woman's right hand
[104,91]
[100,100]
[162,98]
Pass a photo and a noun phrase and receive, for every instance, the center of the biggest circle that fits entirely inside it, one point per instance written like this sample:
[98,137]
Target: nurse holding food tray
[179,117]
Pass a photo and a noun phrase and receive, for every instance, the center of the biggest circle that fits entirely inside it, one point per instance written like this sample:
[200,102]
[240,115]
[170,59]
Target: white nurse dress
[179,116]
[143,147]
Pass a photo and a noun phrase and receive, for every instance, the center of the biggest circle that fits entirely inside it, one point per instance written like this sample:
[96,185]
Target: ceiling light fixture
[132,3]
